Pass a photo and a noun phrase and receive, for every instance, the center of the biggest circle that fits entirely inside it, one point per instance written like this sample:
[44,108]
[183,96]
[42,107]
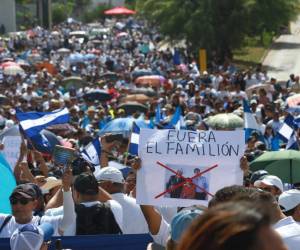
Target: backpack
[97,219]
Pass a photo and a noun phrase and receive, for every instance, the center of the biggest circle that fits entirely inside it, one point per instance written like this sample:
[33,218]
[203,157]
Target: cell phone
[63,155]
[114,137]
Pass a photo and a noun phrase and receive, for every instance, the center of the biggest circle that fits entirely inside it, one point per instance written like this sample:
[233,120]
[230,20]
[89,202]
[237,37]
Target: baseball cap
[289,199]
[273,180]
[182,221]
[25,190]
[31,237]
[258,175]
[110,174]
[86,183]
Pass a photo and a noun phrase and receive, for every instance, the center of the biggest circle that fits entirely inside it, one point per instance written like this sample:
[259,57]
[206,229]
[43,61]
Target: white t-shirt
[163,234]
[71,229]
[58,222]
[12,225]
[289,230]
[133,219]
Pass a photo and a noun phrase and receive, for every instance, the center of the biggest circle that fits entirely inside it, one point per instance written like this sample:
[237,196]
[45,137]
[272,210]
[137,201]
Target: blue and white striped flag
[92,152]
[250,123]
[287,133]
[32,123]
[134,140]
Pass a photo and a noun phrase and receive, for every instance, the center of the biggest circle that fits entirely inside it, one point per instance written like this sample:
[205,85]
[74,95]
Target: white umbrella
[63,51]
[13,70]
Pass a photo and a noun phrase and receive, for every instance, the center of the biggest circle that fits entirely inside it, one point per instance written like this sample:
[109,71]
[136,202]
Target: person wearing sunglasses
[23,202]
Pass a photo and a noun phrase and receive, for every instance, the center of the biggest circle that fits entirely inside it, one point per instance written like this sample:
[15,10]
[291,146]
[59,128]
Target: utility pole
[44,13]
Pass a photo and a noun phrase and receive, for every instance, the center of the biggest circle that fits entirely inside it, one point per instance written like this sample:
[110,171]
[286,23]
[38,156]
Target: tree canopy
[217,25]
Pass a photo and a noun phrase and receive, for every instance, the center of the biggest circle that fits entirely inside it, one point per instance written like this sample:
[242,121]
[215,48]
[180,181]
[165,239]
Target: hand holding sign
[183,168]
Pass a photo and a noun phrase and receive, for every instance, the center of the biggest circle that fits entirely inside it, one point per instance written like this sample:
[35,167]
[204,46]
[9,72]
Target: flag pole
[129,141]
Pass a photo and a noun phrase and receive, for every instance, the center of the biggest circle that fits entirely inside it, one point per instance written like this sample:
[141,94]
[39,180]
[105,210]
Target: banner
[184,168]
[11,149]
[96,242]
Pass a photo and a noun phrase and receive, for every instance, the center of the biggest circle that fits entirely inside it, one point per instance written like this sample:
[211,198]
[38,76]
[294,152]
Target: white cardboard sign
[11,149]
[184,168]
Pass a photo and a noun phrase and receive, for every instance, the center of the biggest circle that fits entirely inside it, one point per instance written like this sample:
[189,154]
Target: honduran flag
[92,152]
[287,133]
[134,140]
[32,123]
[250,123]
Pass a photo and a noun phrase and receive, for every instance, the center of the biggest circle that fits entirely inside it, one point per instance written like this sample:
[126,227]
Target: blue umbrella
[123,125]
[76,57]
[8,183]
[142,72]
[89,57]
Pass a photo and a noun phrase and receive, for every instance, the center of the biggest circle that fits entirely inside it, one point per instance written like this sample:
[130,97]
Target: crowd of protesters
[86,199]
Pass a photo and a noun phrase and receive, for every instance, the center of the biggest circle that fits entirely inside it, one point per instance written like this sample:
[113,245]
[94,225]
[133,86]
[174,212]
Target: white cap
[273,180]
[110,174]
[31,237]
[289,199]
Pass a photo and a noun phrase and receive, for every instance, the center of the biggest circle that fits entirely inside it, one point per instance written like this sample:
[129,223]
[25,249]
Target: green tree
[60,11]
[217,25]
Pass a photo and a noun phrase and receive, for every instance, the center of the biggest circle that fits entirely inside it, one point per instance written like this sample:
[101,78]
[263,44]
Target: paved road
[284,56]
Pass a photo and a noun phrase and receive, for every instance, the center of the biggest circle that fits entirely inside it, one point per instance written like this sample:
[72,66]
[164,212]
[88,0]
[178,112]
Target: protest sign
[183,168]
[11,149]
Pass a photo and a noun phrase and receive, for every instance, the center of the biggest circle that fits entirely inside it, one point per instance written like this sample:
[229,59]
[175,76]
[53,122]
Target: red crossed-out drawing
[190,180]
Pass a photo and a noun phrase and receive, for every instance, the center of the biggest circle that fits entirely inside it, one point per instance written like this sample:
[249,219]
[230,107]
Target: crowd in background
[108,58]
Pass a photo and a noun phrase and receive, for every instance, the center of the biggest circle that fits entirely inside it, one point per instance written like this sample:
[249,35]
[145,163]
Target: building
[8,15]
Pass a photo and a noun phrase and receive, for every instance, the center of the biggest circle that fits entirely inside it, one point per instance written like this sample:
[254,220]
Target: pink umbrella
[155,80]
[121,34]
[293,101]
[8,64]
[119,11]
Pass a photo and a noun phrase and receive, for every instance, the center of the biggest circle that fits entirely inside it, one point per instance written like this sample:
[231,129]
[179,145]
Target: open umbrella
[119,11]
[154,80]
[257,87]
[96,41]
[73,81]
[122,34]
[8,64]
[293,101]
[13,70]
[146,91]
[225,121]
[98,94]
[285,164]
[109,76]
[122,125]
[76,58]
[142,72]
[61,129]
[3,99]
[48,66]
[63,51]
[132,107]
[141,98]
